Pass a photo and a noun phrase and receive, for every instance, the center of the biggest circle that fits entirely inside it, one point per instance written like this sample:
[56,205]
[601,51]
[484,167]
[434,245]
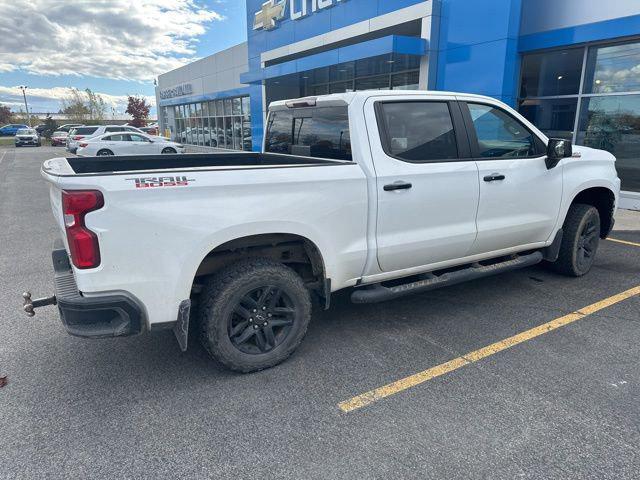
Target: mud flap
[181,328]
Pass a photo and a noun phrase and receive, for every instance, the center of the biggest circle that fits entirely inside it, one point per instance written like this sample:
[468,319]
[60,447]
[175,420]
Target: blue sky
[114,47]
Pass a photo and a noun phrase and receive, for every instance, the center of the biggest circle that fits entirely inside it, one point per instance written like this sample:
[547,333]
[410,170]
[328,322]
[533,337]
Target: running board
[380,293]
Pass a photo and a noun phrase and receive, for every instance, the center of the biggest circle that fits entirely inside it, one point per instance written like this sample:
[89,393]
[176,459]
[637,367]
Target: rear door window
[114,129]
[120,138]
[418,131]
[321,132]
[85,130]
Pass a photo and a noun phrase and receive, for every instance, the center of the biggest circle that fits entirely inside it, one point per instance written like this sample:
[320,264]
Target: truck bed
[114,164]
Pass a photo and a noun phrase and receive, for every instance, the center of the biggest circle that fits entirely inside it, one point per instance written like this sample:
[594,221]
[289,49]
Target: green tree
[138,108]
[50,126]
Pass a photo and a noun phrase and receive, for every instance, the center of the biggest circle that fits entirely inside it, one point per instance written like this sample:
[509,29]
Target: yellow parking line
[624,242]
[411,381]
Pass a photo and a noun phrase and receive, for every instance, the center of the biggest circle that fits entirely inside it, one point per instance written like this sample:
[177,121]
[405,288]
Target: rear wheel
[168,150]
[254,314]
[580,241]
[104,153]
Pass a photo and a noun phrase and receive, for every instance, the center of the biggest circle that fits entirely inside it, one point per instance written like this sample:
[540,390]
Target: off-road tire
[222,293]
[580,218]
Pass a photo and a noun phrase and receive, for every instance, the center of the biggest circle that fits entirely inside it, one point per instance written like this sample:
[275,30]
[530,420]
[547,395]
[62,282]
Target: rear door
[142,146]
[427,182]
[519,197]
[121,144]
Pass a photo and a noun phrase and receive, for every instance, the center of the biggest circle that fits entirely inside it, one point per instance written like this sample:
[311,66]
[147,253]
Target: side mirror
[557,149]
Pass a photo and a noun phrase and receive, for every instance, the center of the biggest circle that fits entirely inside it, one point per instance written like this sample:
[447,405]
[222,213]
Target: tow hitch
[30,305]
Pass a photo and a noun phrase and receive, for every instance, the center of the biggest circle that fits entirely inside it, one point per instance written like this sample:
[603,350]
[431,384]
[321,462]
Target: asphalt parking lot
[563,403]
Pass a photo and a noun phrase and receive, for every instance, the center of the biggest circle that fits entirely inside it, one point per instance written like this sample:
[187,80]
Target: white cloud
[49,100]
[115,39]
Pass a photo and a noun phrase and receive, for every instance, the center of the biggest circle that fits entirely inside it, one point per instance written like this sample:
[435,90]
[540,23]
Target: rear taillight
[78,137]
[83,144]
[83,243]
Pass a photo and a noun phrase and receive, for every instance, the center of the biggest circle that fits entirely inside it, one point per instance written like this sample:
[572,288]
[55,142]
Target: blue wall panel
[323,21]
[592,32]
[477,51]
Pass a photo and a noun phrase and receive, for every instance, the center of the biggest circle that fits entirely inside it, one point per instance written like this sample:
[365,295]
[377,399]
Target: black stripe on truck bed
[81,165]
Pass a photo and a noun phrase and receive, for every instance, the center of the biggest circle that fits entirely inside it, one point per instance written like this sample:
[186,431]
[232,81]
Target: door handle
[494,177]
[397,186]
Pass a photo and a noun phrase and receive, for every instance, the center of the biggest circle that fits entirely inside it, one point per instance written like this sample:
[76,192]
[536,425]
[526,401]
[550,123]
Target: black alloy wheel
[253,314]
[588,241]
[580,241]
[261,320]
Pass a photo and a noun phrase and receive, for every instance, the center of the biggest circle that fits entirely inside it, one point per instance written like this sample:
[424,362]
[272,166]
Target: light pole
[26,107]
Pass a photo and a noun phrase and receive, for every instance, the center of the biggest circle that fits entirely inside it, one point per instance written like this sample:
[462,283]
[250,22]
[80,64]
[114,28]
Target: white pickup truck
[386,193]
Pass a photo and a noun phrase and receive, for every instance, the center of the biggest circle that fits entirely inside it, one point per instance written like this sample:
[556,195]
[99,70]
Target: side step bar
[380,293]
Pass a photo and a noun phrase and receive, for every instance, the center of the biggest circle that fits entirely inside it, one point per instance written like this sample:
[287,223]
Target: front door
[427,186]
[519,197]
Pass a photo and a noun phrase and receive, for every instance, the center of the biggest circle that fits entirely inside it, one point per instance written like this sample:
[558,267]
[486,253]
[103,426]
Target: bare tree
[84,106]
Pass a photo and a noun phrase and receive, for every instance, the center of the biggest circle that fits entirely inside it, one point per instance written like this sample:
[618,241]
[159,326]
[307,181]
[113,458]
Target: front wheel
[168,150]
[580,241]
[254,314]
[104,153]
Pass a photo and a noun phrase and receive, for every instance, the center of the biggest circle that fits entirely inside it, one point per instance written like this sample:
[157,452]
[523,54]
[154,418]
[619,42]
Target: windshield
[311,132]
[26,131]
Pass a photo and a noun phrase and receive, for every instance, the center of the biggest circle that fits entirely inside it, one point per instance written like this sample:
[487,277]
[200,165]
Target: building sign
[177,91]
[273,11]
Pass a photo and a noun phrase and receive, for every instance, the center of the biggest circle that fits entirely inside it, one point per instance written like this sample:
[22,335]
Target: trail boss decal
[155,182]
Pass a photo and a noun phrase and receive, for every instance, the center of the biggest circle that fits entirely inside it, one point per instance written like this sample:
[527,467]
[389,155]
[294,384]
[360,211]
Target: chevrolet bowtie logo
[270,14]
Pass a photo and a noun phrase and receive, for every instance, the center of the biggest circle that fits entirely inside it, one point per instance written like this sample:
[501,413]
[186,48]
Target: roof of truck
[336,99]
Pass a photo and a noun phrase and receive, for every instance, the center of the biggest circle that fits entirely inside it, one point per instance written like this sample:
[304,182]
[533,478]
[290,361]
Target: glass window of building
[551,73]
[596,102]
[555,117]
[382,72]
[222,123]
[612,123]
[613,69]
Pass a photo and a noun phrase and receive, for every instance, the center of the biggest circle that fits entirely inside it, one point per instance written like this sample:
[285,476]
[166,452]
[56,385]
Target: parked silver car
[27,136]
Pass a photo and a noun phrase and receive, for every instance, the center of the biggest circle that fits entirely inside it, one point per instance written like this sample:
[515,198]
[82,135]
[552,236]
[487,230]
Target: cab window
[321,132]
[500,135]
[416,131]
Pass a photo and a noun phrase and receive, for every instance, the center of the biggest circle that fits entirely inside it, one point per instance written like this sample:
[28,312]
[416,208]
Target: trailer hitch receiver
[30,305]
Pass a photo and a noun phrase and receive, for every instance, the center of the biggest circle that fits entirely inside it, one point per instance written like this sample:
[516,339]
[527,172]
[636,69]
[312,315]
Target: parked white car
[127,144]
[387,193]
[86,132]
[27,136]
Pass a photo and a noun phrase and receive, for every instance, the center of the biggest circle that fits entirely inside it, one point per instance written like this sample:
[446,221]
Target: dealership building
[572,67]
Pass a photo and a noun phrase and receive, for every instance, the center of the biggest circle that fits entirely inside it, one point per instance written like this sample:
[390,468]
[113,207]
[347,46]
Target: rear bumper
[111,315]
